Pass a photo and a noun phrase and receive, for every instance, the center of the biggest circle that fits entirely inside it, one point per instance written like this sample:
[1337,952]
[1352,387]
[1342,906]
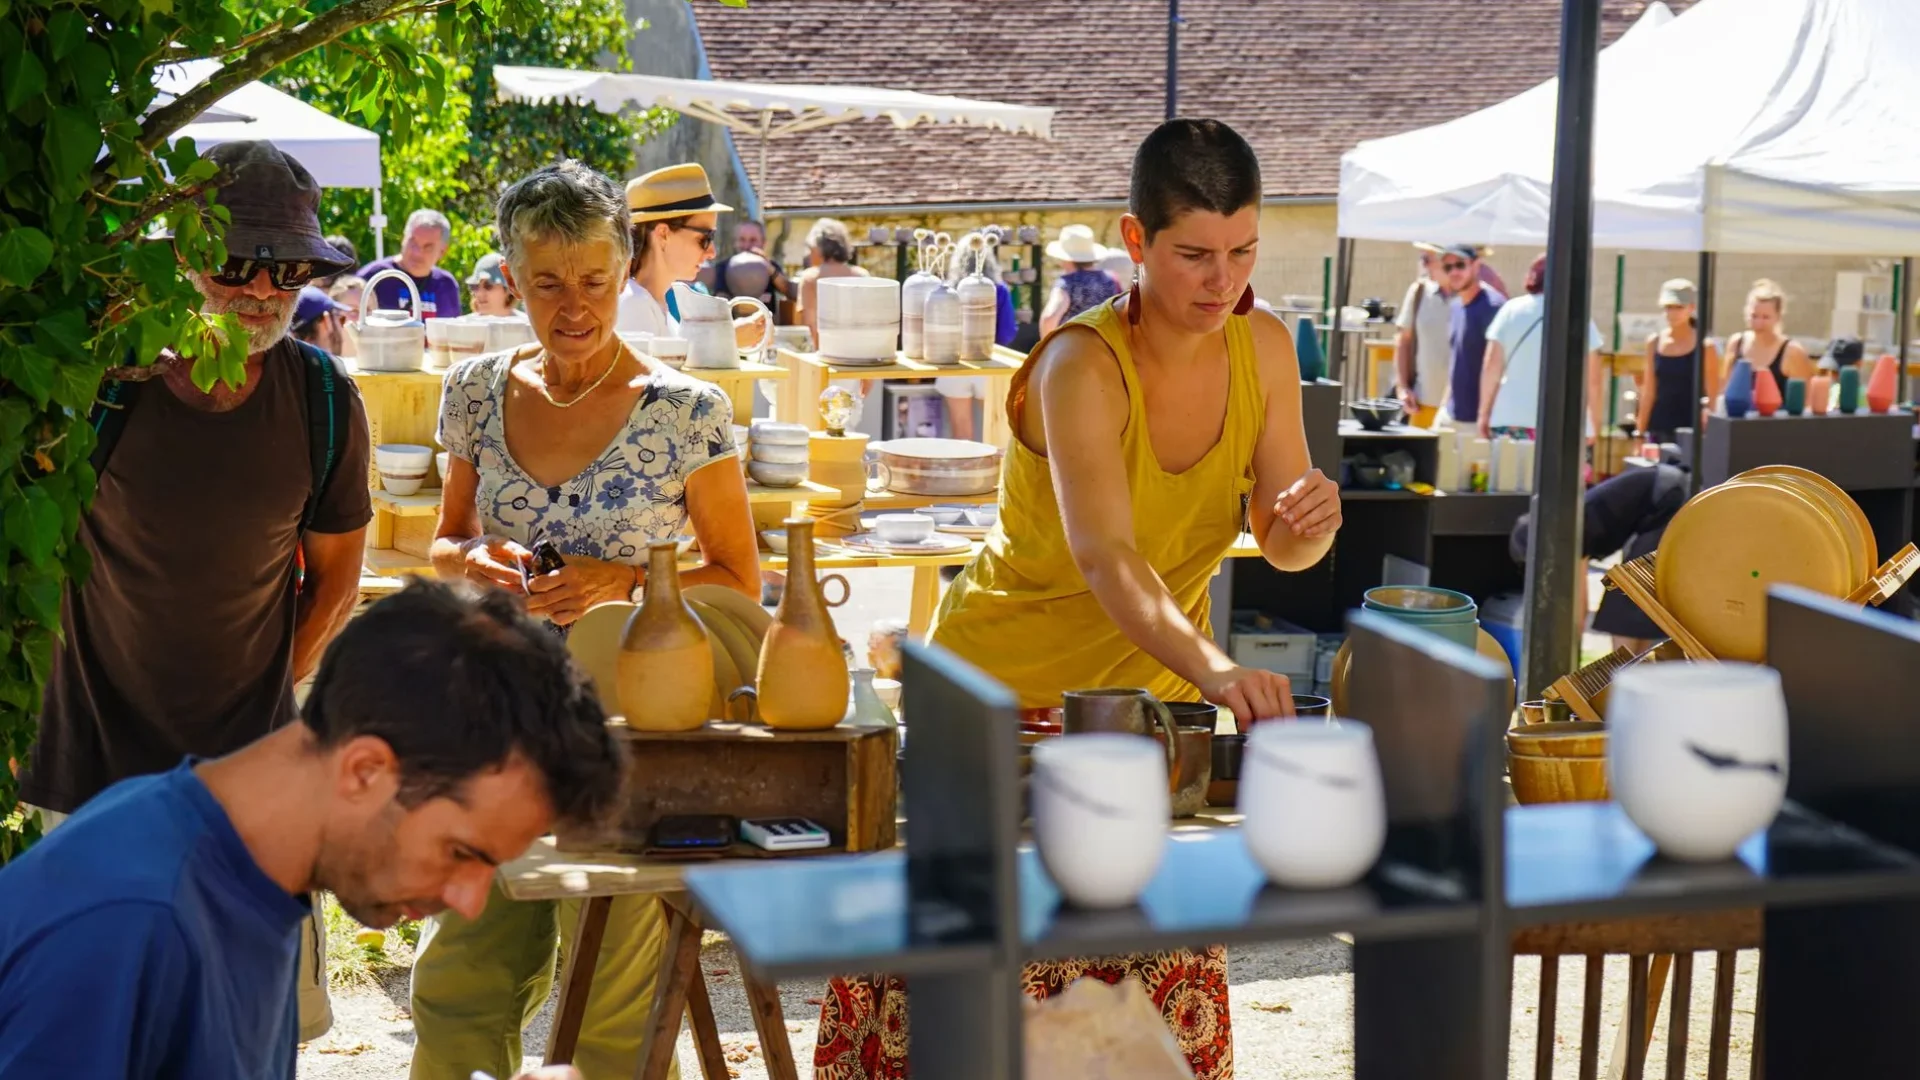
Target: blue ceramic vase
[1738,393]
[1306,346]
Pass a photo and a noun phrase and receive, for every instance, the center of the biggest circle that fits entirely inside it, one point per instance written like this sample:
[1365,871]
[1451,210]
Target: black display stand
[1837,873]
[1869,455]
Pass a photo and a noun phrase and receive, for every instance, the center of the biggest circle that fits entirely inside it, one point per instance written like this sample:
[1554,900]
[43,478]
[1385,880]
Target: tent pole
[1612,383]
[760,173]
[1342,285]
[378,222]
[1553,555]
[1709,267]
[1903,323]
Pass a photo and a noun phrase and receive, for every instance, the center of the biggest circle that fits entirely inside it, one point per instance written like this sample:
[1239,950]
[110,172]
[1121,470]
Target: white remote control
[784,834]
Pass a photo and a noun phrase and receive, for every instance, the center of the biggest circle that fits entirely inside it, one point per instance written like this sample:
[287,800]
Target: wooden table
[809,374]
[546,873]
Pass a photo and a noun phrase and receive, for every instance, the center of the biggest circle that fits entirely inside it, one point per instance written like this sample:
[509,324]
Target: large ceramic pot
[1452,615]
[665,668]
[803,680]
[1697,754]
[939,466]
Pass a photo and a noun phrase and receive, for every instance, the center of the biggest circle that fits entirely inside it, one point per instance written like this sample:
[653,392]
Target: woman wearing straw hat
[1082,285]
[675,219]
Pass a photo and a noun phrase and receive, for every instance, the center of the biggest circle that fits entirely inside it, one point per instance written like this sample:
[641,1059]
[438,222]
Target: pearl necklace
[582,395]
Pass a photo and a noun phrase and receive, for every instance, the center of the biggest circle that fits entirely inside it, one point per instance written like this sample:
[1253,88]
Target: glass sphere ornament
[839,409]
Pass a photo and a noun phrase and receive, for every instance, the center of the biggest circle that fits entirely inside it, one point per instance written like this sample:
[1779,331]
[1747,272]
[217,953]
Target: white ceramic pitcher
[391,340]
[707,324]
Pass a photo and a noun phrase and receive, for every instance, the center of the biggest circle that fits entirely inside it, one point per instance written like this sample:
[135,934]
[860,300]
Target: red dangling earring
[1246,302]
[1133,298]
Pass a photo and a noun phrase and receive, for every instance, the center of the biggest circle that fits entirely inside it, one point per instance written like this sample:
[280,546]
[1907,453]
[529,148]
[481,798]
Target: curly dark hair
[456,681]
[1187,165]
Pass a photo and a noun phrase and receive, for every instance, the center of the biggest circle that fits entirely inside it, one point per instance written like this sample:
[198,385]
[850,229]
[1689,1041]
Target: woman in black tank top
[1669,399]
[1766,336]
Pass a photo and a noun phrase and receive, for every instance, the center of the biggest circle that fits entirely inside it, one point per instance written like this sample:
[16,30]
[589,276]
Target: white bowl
[1100,811]
[777,453]
[403,458]
[401,485]
[859,342]
[903,528]
[775,539]
[775,433]
[983,516]
[888,690]
[1697,754]
[1316,814]
[947,515]
[686,545]
[768,474]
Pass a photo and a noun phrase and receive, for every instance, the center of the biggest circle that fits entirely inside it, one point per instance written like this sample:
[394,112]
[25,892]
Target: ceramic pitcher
[665,666]
[1131,711]
[707,324]
[803,681]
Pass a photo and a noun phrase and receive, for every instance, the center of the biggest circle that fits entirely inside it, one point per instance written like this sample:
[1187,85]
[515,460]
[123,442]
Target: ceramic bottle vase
[1820,394]
[1884,383]
[1796,397]
[866,706]
[1737,396]
[1766,393]
[803,679]
[1850,389]
[1306,347]
[665,665]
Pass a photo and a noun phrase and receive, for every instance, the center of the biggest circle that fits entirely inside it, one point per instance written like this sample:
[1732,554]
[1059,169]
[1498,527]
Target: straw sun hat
[1076,245]
[675,191]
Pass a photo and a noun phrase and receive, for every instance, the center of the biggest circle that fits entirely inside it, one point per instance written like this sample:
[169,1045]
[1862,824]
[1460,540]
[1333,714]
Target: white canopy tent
[750,108]
[337,153]
[1800,147]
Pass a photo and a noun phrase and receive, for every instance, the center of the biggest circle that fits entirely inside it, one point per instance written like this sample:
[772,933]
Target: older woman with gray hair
[578,440]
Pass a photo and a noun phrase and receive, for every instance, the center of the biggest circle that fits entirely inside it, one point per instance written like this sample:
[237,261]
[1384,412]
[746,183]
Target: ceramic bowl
[888,691]
[1100,809]
[403,459]
[638,340]
[1697,754]
[740,436]
[982,517]
[776,541]
[774,433]
[777,453]
[1561,738]
[903,528]
[1316,814]
[768,474]
[1375,414]
[1223,786]
[671,351]
[1538,779]
[1544,711]
[1312,705]
[947,515]
[683,544]
[442,461]
[401,485]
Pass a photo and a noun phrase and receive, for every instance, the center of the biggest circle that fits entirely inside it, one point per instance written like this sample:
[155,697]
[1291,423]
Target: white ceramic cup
[1316,815]
[904,528]
[1100,811]
[1697,754]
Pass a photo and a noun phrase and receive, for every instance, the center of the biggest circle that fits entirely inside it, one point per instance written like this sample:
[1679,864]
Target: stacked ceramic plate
[1768,526]
[859,319]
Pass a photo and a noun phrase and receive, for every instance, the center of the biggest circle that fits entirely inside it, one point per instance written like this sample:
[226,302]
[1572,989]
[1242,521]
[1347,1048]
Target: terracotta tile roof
[1304,80]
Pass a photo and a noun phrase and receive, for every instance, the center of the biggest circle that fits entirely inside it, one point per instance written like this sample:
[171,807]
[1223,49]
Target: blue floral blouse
[633,493]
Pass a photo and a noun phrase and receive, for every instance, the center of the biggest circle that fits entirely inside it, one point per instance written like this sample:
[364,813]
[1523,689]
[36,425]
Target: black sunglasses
[285,275]
[706,235]
[1452,264]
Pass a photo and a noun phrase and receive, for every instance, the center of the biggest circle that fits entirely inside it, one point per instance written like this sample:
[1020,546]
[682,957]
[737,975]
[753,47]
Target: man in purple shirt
[427,236]
[1473,308]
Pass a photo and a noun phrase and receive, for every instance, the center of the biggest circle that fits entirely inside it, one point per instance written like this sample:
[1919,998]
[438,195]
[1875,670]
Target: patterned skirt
[863,1019]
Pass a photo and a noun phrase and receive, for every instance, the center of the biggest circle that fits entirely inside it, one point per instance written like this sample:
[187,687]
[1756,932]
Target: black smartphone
[546,559]
[693,832]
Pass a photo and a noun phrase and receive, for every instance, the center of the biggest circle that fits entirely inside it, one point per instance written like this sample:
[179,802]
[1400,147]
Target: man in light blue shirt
[1510,373]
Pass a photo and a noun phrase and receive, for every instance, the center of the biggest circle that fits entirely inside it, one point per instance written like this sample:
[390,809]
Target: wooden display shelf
[804,491]
[893,500]
[810,373]
[392,562]
[422,503]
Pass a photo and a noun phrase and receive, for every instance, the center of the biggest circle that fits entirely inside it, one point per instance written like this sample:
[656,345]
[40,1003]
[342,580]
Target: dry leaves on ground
[1276,1007]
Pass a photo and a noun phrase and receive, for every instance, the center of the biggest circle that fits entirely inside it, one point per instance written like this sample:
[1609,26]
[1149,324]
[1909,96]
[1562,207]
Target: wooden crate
[843,778]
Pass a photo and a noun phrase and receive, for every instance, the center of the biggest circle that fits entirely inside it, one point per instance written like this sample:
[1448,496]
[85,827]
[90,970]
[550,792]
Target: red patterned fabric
[863,1019]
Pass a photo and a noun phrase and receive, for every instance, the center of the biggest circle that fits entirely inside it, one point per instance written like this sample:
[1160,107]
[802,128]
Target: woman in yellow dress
[1149,432]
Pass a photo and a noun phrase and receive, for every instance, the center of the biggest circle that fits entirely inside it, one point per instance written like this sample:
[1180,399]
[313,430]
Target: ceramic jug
[706,322]
[1884,384]
[390,339]
[665,665]
[803,679]
[1737,397]
[1766,393]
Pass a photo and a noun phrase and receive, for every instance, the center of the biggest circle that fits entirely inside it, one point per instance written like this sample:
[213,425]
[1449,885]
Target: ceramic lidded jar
[803,681]
[665,665]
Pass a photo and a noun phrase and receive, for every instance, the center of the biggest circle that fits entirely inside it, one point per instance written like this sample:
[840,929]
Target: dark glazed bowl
[1375,414]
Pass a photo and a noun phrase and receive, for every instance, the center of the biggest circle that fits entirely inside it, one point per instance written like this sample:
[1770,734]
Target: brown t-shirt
[181,640]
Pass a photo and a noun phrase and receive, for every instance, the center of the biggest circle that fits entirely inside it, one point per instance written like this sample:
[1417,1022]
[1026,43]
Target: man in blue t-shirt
[153,936]
[421,248]
[1473,306]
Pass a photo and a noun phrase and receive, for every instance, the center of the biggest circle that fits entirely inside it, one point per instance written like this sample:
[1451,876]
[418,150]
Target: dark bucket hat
[275,205]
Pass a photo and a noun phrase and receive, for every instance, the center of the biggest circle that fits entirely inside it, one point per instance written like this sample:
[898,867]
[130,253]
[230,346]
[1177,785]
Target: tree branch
[158,205]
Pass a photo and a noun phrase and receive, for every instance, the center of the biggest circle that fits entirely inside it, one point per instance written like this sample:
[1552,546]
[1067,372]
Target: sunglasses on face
[706,235]
[1450,265]
[286,276]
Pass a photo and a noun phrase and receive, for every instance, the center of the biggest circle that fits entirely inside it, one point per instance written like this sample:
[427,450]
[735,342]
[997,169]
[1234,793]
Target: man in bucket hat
[226,533]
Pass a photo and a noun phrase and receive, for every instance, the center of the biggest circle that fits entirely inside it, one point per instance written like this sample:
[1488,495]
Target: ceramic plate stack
[859,319]
[1768,526]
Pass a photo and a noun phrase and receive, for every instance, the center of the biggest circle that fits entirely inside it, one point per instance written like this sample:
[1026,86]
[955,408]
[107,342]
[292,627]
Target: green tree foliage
[86,176]
[466,147]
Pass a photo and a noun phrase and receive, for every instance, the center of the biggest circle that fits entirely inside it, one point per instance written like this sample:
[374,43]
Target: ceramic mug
[1316,814]
[1697,754]
[1131,711]
[1100,808]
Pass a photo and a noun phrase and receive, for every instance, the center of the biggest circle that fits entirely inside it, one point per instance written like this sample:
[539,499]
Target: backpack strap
[109,418]
[327,425]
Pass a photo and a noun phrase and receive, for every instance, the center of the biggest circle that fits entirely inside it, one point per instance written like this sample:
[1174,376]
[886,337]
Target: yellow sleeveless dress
[1022,613]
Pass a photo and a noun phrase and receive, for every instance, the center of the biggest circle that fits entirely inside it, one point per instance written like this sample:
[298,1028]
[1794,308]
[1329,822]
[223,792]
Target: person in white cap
[1082,284]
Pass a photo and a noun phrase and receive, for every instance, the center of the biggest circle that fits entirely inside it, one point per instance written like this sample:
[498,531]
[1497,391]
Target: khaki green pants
[316,1009]
[476,985]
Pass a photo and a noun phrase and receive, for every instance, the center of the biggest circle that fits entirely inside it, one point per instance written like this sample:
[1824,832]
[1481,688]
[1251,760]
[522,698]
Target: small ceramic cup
[1316,815]
[1697,754]
[1100,808]
[903,528]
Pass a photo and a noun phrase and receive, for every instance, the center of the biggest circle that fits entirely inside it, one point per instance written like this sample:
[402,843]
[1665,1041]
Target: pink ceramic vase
[1882,386]
[1766,393]
[1819,394]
